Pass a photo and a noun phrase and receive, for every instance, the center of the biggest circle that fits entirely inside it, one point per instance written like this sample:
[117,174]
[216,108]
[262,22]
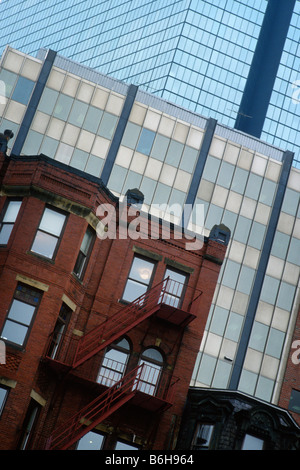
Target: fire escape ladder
[116,326]
[96,411]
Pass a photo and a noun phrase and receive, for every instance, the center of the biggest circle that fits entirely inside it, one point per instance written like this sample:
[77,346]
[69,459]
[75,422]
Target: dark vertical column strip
[202,156]
[264,67]
[261,271]
[116,141]
[33,103]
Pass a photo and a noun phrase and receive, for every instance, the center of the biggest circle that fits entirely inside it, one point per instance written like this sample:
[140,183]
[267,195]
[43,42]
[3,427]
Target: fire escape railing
[109,401]
[76,350]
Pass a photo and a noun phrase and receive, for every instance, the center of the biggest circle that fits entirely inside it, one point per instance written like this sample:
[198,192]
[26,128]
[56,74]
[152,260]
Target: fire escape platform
[174,315]
[149,402]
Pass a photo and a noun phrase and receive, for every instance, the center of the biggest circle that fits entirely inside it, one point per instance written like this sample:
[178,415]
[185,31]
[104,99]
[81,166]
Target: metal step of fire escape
[96,411]
[120,323]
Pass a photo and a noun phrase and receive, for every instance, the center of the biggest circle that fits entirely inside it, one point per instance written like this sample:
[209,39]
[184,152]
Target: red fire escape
[132,385]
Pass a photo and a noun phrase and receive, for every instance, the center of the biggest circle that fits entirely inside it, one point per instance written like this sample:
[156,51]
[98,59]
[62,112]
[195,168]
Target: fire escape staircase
[96,411]
[125,389]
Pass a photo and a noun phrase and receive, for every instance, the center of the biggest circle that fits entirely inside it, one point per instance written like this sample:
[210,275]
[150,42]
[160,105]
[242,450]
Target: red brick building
[99,334]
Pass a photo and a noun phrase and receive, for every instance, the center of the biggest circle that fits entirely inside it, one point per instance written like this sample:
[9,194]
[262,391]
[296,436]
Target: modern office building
[178,159]
[231,60]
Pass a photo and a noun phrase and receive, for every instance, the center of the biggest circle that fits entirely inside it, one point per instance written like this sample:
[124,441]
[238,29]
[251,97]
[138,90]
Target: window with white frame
[20,315]
[203,436]
[48,235]
[114,363]
[59,330]
[8,219]
[139,278]
[175,287]
[84,252]
[153,362]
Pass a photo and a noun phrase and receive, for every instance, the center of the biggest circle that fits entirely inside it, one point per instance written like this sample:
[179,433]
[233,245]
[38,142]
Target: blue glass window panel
[275,343]
[174,153]
[269,290]
[267,192]
[23,90]
[116,179]
[242,229]
[131,135]
[229,219]
[63,107]
[146,141]
[245,280]
[48,100]
[286,296]
[133,180]
[253,186]
[188,159]
[32,143]
[294,251]
[258,336]
[162,194]
[264,388]
[206,369]
[222,374]
[256,235]
[280,245]
[290,202]
[211,169]
[94,166]
[160,147]
[79,159]
[78,113]
[213,216]
[49,147]
[9,80]
[247,382]
[225,174]
[92,119]
[230,275]
[147,188]
[234,326]
[108,125]
[219,321]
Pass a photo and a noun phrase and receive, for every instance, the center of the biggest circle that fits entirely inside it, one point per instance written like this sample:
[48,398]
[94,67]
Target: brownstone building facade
[100,327]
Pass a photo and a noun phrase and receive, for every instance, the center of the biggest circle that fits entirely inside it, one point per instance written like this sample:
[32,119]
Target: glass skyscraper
[130,137]
[199,54]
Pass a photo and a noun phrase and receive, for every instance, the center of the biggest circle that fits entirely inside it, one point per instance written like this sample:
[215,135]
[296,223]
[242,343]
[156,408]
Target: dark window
[294,404]
[114,363]
[92,440]
[29,424]
[175,287]
[21,314]
[3,397]
[48,235]
[9,216]
[139,278]
[203,436]
[59,330]
[84,253]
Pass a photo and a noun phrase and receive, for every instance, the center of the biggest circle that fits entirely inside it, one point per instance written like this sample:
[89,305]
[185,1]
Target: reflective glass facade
[77,121]
[195,53]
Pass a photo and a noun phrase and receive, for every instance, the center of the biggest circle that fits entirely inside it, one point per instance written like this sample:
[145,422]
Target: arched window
[114,363]
[153,364]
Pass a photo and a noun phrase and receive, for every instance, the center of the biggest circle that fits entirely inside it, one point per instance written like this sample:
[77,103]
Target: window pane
[146,141]
[123,446]
[91,441]
[294,404]
[3,395]
[21,312]
[14,332]
[252,443]
[141,270]
[44,244]
[52,222]
[133,290]
[23,90]
[5,233]
[12,211]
